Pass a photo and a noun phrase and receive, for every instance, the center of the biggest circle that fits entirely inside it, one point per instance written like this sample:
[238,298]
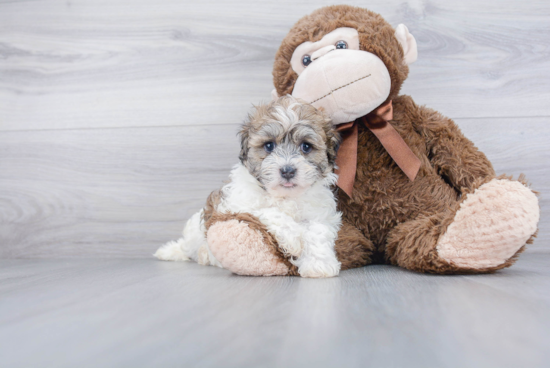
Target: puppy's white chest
[290,208]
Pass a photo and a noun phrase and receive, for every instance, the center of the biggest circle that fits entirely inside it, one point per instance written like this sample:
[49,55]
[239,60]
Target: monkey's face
[344,60]
[335,75]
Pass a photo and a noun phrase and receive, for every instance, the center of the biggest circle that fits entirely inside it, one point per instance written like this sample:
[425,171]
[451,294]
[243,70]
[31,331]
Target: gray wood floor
[118,117]
[145,313]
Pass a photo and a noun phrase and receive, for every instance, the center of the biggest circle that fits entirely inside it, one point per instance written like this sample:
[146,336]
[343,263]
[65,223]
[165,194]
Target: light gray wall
[117,118]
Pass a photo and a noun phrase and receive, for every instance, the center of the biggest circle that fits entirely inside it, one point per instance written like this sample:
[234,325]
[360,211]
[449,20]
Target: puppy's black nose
[288,172]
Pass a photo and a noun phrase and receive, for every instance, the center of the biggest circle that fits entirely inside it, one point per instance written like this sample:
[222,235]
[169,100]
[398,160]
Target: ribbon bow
[377,122]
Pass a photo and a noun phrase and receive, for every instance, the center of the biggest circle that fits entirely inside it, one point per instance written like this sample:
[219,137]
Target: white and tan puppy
[284,179]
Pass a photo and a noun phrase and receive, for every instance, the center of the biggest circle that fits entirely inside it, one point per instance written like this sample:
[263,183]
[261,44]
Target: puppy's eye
[341,44]
[306,60]
[306,147]
[269,146]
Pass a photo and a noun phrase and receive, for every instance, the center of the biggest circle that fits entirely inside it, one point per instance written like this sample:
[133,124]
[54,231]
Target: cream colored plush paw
[242,250]
[492,224]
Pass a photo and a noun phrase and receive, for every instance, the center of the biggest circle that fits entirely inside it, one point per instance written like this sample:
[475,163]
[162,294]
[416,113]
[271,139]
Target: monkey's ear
[274,95]
[408,43]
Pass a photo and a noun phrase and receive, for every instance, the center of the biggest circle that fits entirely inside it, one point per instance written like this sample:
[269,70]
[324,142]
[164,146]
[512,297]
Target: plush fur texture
[487,220]
[424,225]
[235,244]
[277,214]
[375,36]
[249,259]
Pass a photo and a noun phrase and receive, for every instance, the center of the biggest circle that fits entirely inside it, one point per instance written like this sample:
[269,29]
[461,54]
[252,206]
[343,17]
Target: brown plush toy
[413,190]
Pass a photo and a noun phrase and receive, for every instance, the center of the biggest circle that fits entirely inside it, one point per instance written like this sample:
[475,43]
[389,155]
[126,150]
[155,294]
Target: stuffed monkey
[414,192]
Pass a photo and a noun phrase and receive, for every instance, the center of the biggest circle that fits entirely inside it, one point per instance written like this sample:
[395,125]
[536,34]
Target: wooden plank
[147,313]
[170,63]
[119,191]
[123,192]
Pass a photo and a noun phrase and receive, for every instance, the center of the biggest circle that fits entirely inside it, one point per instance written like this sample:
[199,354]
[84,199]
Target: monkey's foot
[491,226]
[243,250]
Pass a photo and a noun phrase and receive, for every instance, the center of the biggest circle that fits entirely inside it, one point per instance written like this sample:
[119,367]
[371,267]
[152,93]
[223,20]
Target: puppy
[288,149]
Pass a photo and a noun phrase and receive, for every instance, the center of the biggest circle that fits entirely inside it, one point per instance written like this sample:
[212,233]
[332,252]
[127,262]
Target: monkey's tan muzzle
[346,84]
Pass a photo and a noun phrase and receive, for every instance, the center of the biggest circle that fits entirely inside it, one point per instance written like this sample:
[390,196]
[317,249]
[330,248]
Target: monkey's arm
[452,154]
[241,243]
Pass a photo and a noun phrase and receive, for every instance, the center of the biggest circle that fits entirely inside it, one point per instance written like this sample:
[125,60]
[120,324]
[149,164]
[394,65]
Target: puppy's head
[288,146]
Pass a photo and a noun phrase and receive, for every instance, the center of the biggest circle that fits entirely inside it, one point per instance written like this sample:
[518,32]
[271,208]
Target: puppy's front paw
[316,268]
[287,232]
[289,239]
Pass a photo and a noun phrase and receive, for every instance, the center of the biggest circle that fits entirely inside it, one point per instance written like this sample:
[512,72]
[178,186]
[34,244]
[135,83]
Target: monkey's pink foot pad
[242,250]
[492,224]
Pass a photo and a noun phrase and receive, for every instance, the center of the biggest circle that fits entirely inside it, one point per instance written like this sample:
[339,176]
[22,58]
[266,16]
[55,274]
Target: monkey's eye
[341,44]
[306,60]
[269,146]
[306,147]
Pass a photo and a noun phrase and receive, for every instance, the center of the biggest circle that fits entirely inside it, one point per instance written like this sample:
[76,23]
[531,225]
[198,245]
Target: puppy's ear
[333,143]
[244,134]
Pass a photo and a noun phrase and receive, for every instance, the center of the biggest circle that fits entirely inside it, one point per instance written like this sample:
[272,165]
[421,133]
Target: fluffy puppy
[285,180]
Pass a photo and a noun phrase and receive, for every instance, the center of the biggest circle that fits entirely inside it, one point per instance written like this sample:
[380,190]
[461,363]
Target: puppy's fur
[284,179]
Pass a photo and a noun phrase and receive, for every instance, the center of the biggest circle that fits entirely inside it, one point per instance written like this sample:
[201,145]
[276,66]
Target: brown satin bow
[377,122]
